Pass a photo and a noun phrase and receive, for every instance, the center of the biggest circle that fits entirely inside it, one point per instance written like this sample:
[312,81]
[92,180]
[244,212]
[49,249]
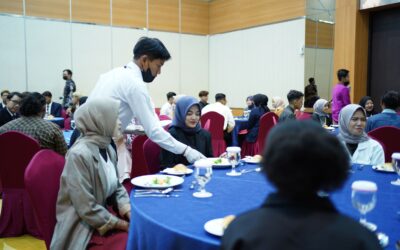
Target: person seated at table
[75,134]
[361,148]
[52,108]
[320,114]
[76,96]
[300,160]
[278,105]
[32,123]
[249,103]
[295,99]
[367,103]
[185,127]
[11,110]
[203,95]
[3,101]
[89,183]
[390,103]
[261,107]
[169,107]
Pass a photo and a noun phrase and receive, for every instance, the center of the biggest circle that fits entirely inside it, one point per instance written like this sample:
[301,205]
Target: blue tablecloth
[240,123]
[177,223]
[57,120]
[67,135]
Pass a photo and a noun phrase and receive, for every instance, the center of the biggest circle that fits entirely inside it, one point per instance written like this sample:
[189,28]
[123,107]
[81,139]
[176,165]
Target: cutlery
[157,191]
[155,195]
[383,239]
[244,171]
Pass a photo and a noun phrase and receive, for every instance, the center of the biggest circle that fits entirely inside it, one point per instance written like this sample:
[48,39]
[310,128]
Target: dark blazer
[56,109]
[287,114]
[6,117]
[287,224]
[202,104]
[201,141]
[254,123]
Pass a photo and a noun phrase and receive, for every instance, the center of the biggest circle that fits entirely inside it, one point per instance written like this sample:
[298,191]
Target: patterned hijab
[344,121]
[277,102]
[319,107]
[96,120]
[183,105]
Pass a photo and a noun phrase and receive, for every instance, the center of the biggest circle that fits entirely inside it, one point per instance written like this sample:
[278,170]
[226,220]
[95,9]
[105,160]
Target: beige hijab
[96,120]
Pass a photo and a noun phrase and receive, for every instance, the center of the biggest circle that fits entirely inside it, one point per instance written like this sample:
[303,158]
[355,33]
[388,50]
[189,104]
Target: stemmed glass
[202,173]
[233,155]
[396,166]
[363,197]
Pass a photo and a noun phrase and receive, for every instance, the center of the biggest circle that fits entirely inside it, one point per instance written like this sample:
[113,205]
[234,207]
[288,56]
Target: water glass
[233,155]
[202,173]
[363,197]
[396,166]
[73,124]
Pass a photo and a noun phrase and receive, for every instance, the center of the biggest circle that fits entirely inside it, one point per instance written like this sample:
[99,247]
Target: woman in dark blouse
[260,102]
[367,103]
[185,127]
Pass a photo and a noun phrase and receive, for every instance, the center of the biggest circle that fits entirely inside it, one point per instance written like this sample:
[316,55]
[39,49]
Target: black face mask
[147,75]
[65,77]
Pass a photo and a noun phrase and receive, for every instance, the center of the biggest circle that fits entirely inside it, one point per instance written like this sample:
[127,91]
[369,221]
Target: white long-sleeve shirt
[225,111]
[126,85]
[368,152]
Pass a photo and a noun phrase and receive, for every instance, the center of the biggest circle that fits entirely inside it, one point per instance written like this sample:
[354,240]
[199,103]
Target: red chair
[157,111]
[152,156]
[164,117]
[16,151]
[139,166]
[267,121]
[301,115]
[216,129]
[42,181]
[389,138]
[67,123]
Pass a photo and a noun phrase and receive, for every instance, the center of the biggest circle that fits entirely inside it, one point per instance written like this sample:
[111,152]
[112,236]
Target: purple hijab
[182,107]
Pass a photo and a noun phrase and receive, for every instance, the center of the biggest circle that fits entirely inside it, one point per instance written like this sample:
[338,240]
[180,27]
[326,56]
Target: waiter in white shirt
[128,85]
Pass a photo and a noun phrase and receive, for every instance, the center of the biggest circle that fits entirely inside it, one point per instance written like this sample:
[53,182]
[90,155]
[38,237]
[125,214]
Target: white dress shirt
[224,110]
[167,109]
[126,85]
[368,152]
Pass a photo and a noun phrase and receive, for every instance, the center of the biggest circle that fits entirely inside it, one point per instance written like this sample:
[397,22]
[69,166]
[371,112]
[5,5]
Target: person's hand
[192,155]
[122,225]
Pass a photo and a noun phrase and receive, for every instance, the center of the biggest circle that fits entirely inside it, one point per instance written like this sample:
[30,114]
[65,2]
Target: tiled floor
[25,242]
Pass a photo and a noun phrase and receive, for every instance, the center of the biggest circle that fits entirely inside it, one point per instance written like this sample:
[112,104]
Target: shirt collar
[390,111]
[11,113]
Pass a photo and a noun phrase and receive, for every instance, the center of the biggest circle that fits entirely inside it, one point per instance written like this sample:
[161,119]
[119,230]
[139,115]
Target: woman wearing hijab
[320,111]
[249,103]
[89,183]
[185,127]
[362,149]
[367,103]
[261,107]
[278,105]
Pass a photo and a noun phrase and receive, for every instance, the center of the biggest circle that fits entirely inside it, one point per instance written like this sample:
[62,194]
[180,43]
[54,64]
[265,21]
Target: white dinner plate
[329,128]
[387,167]
[172,171]
[335,125]
[216,164]
[157,181]
[215,227]
[251,160]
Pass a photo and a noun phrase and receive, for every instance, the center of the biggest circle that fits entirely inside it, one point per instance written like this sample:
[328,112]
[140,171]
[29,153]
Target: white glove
[192,155]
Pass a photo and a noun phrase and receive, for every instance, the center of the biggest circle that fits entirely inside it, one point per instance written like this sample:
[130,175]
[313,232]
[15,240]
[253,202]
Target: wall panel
[91,11]
[194,17]
[129,13]
[123,41]
[319,34]
[12,6]
[48,8]
[164,15]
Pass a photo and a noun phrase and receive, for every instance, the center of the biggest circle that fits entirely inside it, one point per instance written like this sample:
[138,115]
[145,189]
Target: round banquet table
[177,222]
[57,120]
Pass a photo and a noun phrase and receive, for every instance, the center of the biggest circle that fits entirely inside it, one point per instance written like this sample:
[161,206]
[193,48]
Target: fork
[244,171]
[155,195]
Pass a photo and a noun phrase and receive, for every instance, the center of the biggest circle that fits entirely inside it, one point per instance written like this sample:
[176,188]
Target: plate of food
[157,181]
[178,169]
[335,125]
[217,226]
[219,162]
[252,159]
[387,167]
[329,128]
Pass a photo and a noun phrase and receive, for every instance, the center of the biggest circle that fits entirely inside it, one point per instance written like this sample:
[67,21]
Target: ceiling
[321,10]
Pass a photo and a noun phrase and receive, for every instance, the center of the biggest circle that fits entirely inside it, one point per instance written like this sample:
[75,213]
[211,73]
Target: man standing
[310,93]
[128,85]
[52,108]
[341,94]
[168,108]
[4,95]
[295,99]
[10,112]
[69,88]
[203,99]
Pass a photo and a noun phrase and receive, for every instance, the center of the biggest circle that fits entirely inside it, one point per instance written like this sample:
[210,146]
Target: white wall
[264,59]
[319,64]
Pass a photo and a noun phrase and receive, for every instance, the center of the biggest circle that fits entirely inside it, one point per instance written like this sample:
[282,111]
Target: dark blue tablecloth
[57,120]
[67,135]
[240,123]
[177,223]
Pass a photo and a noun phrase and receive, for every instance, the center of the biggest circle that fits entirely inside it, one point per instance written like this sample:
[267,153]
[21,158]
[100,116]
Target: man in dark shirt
[4,95]
[203,99]
[52,108]
[69,88]
[295,99]
[310,93]
[390,103]
[10,112]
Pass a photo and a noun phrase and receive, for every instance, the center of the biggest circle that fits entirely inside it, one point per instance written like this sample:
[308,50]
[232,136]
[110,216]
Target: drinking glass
[233,155]
[73,124]
[396,166]
[202,173]
[363,197]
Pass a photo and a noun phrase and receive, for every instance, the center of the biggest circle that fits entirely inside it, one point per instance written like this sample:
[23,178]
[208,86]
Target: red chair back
[215,123]
[42,181]
[139,166]
[301,115]
[67,123]
[389,138]
[152,156]
[267,121]
[164,117]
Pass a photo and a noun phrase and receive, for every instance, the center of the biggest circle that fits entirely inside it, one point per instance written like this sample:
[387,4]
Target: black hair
[82,100]
[151,47]
[32,104]
[48,94]
[219,97]
[5,91]
[311,80]
[310,101]
[294,95]
[342,73]
[12,94]
[68,71]
[170,95]
[391,99]
[203,93]
[364,101]
[261,100]
[301,158]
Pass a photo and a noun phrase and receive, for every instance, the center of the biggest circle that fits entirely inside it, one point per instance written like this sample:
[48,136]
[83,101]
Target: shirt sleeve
[231,120]
[346,96]
[140,104]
